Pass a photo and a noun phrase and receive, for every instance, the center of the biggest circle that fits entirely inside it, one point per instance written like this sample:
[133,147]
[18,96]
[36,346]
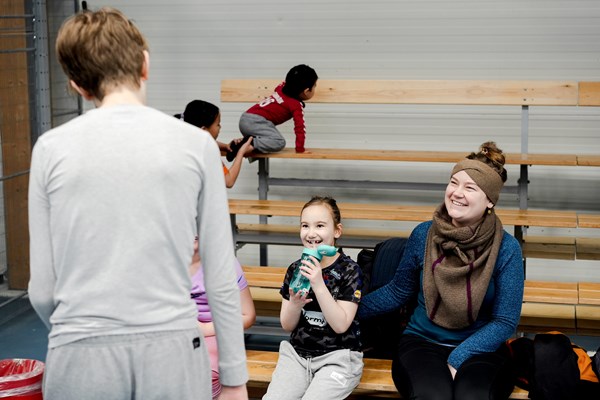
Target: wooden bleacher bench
[534,246]
[376,381]
[546,305]
[464,92]
[416,156]
[390,212]
[288,234]
[549,306]
[588,309]
[428,92]
[557,248]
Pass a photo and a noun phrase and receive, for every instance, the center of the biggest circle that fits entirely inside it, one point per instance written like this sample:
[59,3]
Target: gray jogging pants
[149,366]
[331,376]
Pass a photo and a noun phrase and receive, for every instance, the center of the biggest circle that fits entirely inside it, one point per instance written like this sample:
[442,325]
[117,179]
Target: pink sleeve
[241,279]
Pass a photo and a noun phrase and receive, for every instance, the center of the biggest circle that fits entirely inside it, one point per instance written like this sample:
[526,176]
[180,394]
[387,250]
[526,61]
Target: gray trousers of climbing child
[267,138]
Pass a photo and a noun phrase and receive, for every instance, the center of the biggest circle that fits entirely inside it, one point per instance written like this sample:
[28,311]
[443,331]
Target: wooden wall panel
[15,129]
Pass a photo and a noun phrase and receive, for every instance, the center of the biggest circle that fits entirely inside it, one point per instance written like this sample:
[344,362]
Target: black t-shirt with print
[313,336]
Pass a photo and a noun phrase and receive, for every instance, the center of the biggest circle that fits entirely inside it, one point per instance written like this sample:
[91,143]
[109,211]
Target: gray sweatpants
[267,138]
[161,365]
[330,376]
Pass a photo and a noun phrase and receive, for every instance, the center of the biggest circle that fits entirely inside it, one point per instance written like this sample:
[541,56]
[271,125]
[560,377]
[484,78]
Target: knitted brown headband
[487,178]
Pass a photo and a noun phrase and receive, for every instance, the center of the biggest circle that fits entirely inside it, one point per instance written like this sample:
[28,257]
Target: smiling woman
[467,275]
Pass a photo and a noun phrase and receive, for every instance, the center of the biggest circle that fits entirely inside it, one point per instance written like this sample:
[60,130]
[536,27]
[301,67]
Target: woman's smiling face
[465,201]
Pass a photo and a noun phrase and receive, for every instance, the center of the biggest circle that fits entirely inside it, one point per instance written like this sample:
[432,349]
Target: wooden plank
[415,156]
[372,211]
[551,292]
[588,160]
[376,373]
[560,248]
[548,316]
[588,319]
[557,248]
[294,230]
[477,92]
[589,94]
[589,293]
[588,220]
[266,294]
[587,248]
[265,277]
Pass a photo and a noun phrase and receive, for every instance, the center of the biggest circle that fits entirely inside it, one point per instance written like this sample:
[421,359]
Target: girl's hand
[312,270]
[298,300]
[224,146]
[246,147]
[236,141]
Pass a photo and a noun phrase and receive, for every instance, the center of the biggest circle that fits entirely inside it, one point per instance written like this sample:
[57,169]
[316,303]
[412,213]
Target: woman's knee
[485,376]
[418,385]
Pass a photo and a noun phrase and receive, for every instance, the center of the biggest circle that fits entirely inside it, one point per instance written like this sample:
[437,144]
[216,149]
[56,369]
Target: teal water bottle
[299,282]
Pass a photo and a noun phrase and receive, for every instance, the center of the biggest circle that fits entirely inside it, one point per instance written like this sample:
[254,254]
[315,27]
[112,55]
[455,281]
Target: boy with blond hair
[114,197]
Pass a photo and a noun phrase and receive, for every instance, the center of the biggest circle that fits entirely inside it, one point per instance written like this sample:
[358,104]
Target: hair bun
[493,153]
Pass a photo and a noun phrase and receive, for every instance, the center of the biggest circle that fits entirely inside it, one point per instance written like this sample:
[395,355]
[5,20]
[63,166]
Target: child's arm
[299,129]
[338,314]
[291,310]
[248,314]
[223,146]
[236,167]
[248,311]
[207,328]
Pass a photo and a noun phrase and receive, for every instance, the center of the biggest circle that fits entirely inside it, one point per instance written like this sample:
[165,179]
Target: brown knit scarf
[459,263]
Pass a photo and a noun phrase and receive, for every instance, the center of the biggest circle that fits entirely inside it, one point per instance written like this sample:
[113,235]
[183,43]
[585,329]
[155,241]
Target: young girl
[198,294]
[285,103]
[322,360]
[207,116]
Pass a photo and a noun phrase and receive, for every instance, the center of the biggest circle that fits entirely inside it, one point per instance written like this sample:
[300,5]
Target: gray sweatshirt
[115,199]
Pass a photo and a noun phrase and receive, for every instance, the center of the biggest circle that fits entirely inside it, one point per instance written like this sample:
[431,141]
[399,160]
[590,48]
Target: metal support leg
[521,231]
[233,232]
[524,175]
[263,190]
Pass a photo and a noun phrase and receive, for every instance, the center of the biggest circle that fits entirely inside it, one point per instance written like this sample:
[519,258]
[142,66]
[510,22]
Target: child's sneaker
[235,148]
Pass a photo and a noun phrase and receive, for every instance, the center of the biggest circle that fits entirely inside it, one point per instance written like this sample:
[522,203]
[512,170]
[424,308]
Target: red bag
[21,379]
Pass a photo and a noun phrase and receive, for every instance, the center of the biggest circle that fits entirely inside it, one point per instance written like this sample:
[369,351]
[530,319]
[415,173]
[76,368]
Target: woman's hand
[452,370]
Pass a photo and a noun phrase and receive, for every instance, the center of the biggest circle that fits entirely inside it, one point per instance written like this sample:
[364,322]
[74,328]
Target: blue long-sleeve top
[499,314]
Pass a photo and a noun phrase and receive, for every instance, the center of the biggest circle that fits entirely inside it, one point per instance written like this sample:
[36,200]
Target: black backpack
[380,334]
[550,367]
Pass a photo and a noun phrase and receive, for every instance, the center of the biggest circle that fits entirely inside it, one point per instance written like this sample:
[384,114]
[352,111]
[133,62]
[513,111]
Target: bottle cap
[312,252]
[326,250]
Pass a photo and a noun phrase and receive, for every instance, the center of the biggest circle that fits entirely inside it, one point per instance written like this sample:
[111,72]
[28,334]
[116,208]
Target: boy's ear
[84,93]
[146,66]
